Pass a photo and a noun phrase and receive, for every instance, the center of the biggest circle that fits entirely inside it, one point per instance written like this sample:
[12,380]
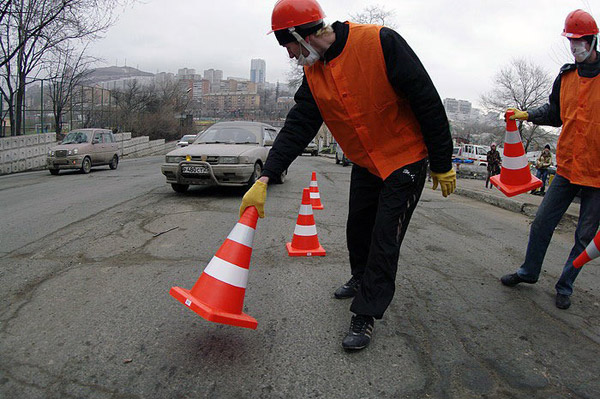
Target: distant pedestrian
[542,164]
[494,161]
[574,104]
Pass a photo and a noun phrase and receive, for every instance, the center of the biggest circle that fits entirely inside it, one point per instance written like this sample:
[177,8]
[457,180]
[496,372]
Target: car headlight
[230,160]
[50,153]
[174,159]
[75,151]
[244,160]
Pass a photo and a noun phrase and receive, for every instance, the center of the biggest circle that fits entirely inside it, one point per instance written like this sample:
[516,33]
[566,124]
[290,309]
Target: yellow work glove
[446,180]
[255,196]
[519,115]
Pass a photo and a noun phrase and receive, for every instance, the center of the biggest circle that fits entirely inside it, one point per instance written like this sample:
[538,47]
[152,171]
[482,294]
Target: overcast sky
[462,44]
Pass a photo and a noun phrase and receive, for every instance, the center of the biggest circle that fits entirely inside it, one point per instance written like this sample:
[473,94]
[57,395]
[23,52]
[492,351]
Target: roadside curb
[526,208]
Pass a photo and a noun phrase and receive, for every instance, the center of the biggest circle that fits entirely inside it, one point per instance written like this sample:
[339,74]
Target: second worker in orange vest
[575,105]
[376,98]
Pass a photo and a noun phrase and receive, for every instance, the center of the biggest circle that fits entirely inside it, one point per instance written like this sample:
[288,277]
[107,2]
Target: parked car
[82,149]
[473,152]
[226,154]
[186,140]
[311,149]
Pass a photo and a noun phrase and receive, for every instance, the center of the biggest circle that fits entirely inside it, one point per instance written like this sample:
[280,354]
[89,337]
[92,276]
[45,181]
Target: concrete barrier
[18,154]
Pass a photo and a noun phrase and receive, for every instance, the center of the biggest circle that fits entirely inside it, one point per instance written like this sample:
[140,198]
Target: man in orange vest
[371,90]
[574,104]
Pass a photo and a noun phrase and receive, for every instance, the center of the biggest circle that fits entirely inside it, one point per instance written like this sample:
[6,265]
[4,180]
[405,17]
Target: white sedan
[226,154]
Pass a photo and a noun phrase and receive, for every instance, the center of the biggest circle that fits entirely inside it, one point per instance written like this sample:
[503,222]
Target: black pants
[378,217]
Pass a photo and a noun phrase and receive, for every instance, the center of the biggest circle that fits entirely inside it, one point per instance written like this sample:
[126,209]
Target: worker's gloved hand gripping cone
[447,181]
[519,115]
[255,196]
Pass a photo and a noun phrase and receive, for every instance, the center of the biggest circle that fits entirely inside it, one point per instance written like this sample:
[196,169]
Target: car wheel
[86,165]
[180,188]
[114,162]
[255,174]
[315,153]
[53,171]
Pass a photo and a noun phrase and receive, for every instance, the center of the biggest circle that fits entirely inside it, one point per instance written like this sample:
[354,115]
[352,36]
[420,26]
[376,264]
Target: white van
[474,152]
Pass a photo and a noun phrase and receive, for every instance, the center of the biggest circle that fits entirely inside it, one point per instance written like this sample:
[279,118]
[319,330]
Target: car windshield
[75,137]
[230,135]
[188,137]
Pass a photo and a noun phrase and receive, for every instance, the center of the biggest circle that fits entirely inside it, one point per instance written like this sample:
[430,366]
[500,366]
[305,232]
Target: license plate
[194,170]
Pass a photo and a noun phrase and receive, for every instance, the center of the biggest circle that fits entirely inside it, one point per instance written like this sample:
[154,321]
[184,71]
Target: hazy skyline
[461,45]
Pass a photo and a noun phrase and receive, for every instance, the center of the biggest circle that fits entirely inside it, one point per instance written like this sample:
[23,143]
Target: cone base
[511,191]
[239,320]
[304,252]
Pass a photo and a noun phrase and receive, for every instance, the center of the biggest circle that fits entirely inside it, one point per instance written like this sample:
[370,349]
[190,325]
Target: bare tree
[67,70]
[375,14]
[33,28]
[521,85]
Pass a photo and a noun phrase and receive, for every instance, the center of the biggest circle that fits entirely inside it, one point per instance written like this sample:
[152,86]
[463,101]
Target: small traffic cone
[218,295]
[592,251]
[515,177]
[315,197]
[305,241]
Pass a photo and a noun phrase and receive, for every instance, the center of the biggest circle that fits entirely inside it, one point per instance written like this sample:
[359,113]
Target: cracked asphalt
[85,310]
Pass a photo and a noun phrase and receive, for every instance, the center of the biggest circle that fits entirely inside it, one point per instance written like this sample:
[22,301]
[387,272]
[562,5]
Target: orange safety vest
[578,148]
[375,127]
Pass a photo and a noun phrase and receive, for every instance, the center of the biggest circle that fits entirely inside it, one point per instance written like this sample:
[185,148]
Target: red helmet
[578,24]
[290,13]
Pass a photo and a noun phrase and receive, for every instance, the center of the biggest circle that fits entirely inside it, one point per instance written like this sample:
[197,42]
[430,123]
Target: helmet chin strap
[313,56]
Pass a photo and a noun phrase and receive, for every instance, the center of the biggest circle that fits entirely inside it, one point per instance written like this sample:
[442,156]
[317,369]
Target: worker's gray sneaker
[348,290]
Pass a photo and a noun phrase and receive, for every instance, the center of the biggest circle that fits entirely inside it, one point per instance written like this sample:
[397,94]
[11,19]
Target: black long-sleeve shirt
[408,78]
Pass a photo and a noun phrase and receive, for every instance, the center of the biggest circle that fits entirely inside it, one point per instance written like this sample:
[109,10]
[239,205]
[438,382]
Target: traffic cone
[218,295]
[515,177]
[315,197]
[592,251]
[305,241]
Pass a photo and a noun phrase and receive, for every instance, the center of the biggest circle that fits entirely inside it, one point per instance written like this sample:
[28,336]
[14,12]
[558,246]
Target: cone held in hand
[305,241]
[515,177]
[218,295]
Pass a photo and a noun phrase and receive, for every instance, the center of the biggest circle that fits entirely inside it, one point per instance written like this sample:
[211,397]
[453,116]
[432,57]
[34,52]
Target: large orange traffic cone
[315,197]
[592,251]
[305,241]
[515,177]
[218,295]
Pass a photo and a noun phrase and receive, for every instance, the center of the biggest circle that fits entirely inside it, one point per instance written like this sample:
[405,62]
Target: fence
[86,107]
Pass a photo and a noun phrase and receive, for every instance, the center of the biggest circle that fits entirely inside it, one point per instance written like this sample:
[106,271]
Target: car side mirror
[268,143]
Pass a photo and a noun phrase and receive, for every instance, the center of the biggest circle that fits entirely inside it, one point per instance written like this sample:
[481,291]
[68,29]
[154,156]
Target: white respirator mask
[579,51]
[312,57]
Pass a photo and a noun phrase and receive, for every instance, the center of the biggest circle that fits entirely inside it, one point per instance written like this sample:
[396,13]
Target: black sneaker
[563,301]
[348,290]
[359,336]
[510,280]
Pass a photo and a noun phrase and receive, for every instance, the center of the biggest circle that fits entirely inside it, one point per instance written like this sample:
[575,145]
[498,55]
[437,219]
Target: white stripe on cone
[227,272]
[242,234]
[592,250]
[314,195]
[305,231]
[313,183]
[514,163]
[512,137]
[305,210]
